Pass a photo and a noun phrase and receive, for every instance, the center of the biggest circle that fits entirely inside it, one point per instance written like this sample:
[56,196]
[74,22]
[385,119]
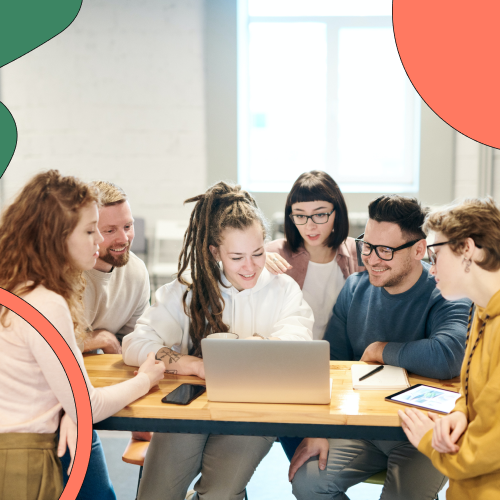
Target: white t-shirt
[321,288]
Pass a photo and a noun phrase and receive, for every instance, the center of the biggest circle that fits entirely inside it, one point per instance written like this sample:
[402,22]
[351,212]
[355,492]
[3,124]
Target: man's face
[117,227]
[392,273]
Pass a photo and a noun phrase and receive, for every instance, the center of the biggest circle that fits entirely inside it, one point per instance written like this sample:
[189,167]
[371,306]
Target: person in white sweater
[48,236]
[222,286]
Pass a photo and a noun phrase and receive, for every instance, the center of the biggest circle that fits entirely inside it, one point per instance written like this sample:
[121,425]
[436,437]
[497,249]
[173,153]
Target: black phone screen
[184,394]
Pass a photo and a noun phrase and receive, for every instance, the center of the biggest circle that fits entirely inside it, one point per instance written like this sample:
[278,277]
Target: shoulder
[42,298]
[276,285]
[279,246]
[282,247]
[348,248]
[49,303]
[359,282]
[171,292]
[136,267]
[284,281]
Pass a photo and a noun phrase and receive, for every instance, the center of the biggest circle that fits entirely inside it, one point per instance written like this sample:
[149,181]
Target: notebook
[390,378]
[267,371]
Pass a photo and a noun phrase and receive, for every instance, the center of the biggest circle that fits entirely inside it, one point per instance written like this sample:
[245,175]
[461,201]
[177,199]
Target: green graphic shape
[27,24]
[8,138]
[24,26]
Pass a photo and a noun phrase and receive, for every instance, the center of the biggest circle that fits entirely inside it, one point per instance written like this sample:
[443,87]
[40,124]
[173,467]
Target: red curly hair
[34,231]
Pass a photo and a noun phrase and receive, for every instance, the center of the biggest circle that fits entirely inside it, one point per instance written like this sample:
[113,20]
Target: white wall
[118,96]
[477,169]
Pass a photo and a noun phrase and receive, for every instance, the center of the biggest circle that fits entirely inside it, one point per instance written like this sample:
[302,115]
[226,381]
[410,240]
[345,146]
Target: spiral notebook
[390,378]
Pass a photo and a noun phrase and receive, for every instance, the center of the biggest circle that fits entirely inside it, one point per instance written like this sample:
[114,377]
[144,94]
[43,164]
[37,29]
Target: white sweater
[33,384]
[116,300]
[274,307]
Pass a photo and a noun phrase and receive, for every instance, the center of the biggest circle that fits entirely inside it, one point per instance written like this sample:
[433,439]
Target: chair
[135,453]
[168,238]
[378,478]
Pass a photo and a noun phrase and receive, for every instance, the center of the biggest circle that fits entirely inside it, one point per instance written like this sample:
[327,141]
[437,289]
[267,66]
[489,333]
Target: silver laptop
[257,371]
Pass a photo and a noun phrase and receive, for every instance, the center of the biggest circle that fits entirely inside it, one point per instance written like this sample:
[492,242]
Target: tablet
[427,397]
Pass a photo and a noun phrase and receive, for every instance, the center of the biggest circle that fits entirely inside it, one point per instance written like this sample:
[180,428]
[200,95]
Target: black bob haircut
[317,186]
[407,213]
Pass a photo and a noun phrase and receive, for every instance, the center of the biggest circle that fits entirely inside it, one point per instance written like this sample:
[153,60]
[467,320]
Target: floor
[268,483]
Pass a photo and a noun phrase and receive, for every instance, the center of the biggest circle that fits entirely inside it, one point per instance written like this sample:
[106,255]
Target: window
[321,86]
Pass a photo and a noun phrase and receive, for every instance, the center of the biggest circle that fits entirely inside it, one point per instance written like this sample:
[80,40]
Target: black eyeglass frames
[383,252]
[300,220]
[432,254]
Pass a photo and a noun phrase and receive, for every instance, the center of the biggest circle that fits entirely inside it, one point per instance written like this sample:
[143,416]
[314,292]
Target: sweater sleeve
[440,355]
[336,330]
[296,319]
[483,434]
[105,401]
[161,325]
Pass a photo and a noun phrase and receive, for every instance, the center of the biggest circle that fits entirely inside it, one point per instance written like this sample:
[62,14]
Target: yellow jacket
[474,471]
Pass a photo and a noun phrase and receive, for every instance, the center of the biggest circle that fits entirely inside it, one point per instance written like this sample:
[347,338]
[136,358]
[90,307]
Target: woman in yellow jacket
[465,445]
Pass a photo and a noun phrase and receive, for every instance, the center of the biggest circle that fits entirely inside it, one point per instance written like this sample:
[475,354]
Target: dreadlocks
[222,206]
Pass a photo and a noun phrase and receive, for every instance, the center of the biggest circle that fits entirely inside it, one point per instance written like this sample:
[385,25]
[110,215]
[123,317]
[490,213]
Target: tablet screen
[424,396]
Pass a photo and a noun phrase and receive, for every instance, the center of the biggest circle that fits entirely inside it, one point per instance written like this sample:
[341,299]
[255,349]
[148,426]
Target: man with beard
[117,290]
[393,314]
[116,294]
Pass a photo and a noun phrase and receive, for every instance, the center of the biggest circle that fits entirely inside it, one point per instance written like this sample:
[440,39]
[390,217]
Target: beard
[396,279]
[116,260]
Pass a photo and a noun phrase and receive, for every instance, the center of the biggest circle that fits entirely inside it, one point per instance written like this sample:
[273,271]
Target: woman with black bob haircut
[316,251]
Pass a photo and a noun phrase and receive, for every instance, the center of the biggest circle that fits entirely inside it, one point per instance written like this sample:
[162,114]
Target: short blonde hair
[110,193]
[475,218]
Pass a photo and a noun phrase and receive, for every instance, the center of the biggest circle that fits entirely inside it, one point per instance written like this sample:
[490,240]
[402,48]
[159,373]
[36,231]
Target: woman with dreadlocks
[222,286]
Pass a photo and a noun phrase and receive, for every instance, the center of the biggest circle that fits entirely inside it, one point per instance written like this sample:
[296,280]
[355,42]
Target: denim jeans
[96,485]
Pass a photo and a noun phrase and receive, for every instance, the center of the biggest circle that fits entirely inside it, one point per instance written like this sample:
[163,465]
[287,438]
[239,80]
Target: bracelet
[260,336]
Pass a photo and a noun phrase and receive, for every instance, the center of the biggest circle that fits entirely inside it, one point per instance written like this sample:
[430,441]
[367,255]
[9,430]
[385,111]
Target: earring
[468,263]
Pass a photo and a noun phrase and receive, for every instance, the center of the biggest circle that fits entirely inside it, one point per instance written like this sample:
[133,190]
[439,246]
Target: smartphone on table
[184,394]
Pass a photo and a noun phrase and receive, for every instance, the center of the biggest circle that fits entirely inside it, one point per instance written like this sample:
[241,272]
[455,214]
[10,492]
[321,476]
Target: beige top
[33,385]
[116,300]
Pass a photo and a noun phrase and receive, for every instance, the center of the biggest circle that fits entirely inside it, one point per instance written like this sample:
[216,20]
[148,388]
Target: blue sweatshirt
[426,333]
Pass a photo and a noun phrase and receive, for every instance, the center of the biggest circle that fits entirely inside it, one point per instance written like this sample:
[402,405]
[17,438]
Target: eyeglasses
[382,251]
[432,254]
[300,220]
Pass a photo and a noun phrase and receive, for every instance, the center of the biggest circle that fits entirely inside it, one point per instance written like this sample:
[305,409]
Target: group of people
[65,249]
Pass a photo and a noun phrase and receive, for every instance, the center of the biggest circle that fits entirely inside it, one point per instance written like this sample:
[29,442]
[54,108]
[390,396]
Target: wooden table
[351,414]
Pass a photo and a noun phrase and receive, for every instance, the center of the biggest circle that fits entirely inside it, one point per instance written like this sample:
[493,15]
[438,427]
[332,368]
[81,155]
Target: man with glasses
[393,314]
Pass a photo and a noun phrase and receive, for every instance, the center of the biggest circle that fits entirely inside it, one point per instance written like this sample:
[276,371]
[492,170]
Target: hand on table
[416,424]
[200,369]
[67,438]
[374,352]
[153,368]
[309,447]
[447,431]
[276,264]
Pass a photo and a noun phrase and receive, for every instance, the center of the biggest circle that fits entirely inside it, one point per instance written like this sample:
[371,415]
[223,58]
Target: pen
[369,374]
